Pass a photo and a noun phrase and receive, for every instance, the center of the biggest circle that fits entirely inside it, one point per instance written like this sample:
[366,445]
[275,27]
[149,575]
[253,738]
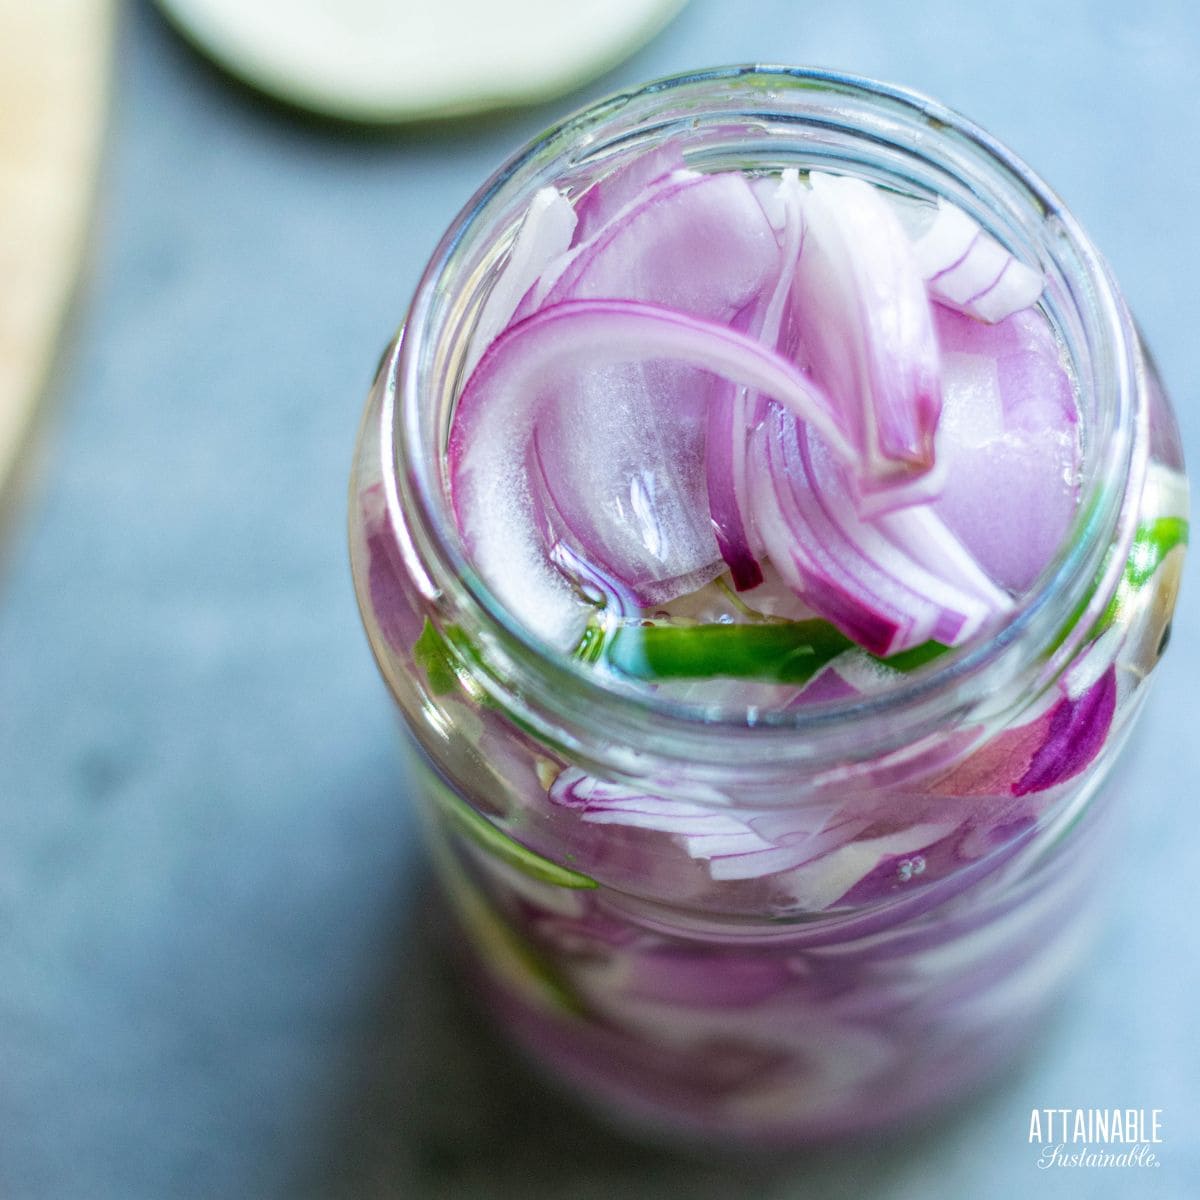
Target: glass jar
[904,879]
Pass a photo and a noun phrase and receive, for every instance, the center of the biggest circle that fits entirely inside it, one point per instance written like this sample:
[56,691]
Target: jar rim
[563,701]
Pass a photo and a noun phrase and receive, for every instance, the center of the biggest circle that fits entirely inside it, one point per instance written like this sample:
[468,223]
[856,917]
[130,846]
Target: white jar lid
[399,60]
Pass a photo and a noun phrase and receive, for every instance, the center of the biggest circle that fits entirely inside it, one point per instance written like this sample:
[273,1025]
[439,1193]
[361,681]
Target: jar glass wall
[902,879]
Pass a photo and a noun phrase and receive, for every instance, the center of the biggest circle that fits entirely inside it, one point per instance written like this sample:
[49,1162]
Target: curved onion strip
[834,863]
[1078,730]
[823,848]
[970,271]
[651,250]
[819,579]
[607,197]
[582,247]
[729,421]
[848,567]
[895,539]
[594,585]
[921,534]
[786,840]
[605,802]
[732,843]
[545,234]
[1010,428]
[642,460]
[867,330]
[661,547]
[494,423]
[734,411]
[1061,738]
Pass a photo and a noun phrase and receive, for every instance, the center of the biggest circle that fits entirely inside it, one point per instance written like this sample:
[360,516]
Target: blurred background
[219,965]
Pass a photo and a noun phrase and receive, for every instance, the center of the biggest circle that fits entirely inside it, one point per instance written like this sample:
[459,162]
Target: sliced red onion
[545,234]
[1077,733]
[392,603]
[785,841]
[730,419]
[819,884]
[829,271]
[920,532]
[605,199]
[915,864]
[494,423]
[699,977]
[817,848]
[830,684]
[639,504]
[1060,741]
[734,411]
[970,271]
[867,330]
[851,569]
[699,244]
[604,802]
[583,247]
[630,495]
[1009,429]
[593,584]
[822,850]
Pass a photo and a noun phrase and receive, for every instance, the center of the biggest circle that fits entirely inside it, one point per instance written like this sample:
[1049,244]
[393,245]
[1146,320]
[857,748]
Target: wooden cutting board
[54,69]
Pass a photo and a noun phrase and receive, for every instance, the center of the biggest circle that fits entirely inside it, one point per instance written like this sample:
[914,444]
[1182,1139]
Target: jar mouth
[823,117]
